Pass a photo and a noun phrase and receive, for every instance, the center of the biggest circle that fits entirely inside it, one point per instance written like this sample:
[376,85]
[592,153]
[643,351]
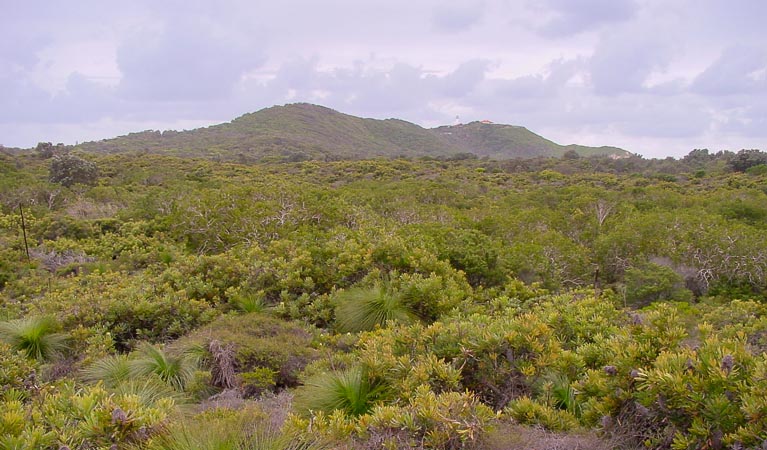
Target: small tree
[571,154]
[650,282]
[69,169]
[44,150]
[745,159]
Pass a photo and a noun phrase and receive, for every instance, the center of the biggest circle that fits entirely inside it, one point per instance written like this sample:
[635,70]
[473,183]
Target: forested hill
[508,141]
[309,132]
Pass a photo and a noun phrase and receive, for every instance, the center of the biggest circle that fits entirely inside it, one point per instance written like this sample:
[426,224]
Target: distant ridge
[303,131]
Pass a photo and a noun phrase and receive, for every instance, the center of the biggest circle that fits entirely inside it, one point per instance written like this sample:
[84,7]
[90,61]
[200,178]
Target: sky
[656,77]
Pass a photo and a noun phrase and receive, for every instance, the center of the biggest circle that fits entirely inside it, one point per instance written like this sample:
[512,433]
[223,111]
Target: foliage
[301,131]
[223,429]
[78,418]
[745,159]
[450,421]
[619,297]
[130,307]
[111,370]
[16,371]
[651,283]
[69,169]
[176,370]
[709,395]
[363,309]
[526,411]
[268,353]
[353,391]
[36,337]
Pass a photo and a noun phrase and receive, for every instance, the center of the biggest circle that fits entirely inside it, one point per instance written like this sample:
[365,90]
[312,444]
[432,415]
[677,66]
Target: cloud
[641,71]
[465,78]
[186,61]
[576,16]
[738,70]
[623,61]
[20,99]
[743,115]
[399,90]
[456,16]
[21,51]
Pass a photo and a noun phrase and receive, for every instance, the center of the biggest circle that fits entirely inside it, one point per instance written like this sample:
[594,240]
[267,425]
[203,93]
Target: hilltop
[304,131]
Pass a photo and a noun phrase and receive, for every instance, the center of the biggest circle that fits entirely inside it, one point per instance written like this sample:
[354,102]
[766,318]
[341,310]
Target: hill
[310,132]
[499,141]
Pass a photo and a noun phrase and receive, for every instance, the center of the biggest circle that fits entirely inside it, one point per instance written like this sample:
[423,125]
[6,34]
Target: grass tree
[362,309]
[352,391]
[245,429]
[111,370]
[36,337]
[175,370]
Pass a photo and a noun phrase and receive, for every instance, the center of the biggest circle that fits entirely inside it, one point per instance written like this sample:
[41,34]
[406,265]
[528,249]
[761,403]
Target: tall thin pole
[24,232]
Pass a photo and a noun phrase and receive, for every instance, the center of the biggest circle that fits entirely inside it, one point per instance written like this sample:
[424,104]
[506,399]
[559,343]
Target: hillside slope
[303,131]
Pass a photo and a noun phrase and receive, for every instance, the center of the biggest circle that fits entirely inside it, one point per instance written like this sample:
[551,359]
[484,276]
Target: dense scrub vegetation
[383,303]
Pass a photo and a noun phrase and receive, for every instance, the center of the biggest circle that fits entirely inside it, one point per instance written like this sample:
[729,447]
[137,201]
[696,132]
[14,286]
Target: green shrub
[15,369]
[709,395]
[132,307]
[757,170]
[526,411]
[652,282]
[80,417]
[261,343]
[449,420]
[260,379]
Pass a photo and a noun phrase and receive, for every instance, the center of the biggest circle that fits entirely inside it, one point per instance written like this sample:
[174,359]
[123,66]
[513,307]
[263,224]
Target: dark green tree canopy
[745,159]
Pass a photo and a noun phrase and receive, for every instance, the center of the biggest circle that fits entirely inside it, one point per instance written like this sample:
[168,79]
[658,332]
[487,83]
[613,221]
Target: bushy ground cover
[381,304]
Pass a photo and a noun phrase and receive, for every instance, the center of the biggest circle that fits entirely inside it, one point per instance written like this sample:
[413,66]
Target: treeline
[698,162]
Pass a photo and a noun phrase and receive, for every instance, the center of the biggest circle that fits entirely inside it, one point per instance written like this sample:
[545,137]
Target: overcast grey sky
[657,77]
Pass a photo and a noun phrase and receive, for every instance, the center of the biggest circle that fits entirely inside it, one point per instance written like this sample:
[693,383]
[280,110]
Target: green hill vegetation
[157,302]
[302,131]
[508,141]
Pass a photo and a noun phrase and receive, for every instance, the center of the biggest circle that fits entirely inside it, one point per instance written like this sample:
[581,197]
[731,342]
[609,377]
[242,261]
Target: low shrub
[261,344]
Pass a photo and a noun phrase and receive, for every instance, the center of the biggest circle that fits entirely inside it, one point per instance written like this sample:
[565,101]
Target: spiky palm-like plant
[248,303]
[176,370]
[223,435]
[362,309]
[150,392]
[352,391]
[35,336]
[112,370]
[559,392]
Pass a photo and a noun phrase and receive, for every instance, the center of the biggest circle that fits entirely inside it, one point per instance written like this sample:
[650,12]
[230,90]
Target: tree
[747,158]
[44,150]
[69,170]
[571,154]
